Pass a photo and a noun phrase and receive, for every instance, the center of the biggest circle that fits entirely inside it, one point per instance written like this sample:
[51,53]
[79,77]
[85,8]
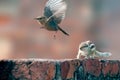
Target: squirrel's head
[87,46]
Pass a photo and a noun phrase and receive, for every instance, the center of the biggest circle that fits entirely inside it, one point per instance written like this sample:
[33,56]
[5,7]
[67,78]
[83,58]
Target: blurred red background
[21,36]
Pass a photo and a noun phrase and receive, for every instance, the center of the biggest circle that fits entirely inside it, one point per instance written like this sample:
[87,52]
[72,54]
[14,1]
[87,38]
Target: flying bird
[54,13]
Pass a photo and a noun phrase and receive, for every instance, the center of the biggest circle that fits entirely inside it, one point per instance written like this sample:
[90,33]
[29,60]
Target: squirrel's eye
[92,46]
[83,47]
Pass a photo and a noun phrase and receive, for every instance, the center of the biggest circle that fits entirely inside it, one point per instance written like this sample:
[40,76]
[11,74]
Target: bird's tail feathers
[63,31]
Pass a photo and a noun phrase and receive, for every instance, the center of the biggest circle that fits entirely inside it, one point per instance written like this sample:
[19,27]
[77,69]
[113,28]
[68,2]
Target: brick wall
[38,69]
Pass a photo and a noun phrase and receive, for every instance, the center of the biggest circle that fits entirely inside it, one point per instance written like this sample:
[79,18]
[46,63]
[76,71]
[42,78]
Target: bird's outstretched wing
[55,9]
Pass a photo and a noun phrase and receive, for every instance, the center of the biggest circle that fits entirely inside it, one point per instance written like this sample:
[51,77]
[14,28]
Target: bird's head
[42,19]
[87,46]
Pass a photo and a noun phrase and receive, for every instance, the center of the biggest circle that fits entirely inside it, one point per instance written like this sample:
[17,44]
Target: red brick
[110,68]
[65,67]
[42,70]
[68,68]
[92,66]
[21,70]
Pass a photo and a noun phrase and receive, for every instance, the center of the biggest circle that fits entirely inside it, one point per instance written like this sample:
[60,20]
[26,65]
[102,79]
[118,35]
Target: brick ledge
[49,69]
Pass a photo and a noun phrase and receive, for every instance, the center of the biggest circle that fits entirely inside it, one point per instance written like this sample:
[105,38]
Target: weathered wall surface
[38,69]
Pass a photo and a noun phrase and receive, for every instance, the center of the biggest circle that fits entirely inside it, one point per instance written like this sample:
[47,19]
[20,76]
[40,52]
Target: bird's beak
[35,18]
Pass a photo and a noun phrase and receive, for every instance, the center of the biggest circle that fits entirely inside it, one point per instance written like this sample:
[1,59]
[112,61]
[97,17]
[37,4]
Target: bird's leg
[55,35]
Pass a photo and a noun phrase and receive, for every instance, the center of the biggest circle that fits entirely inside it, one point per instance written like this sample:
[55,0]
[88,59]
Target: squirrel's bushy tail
[103,54]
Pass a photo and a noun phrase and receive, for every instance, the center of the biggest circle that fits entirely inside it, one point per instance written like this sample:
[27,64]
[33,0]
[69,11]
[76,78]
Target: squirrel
[87,50]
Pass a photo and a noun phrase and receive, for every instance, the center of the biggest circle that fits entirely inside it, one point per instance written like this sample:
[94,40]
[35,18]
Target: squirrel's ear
[81,45]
